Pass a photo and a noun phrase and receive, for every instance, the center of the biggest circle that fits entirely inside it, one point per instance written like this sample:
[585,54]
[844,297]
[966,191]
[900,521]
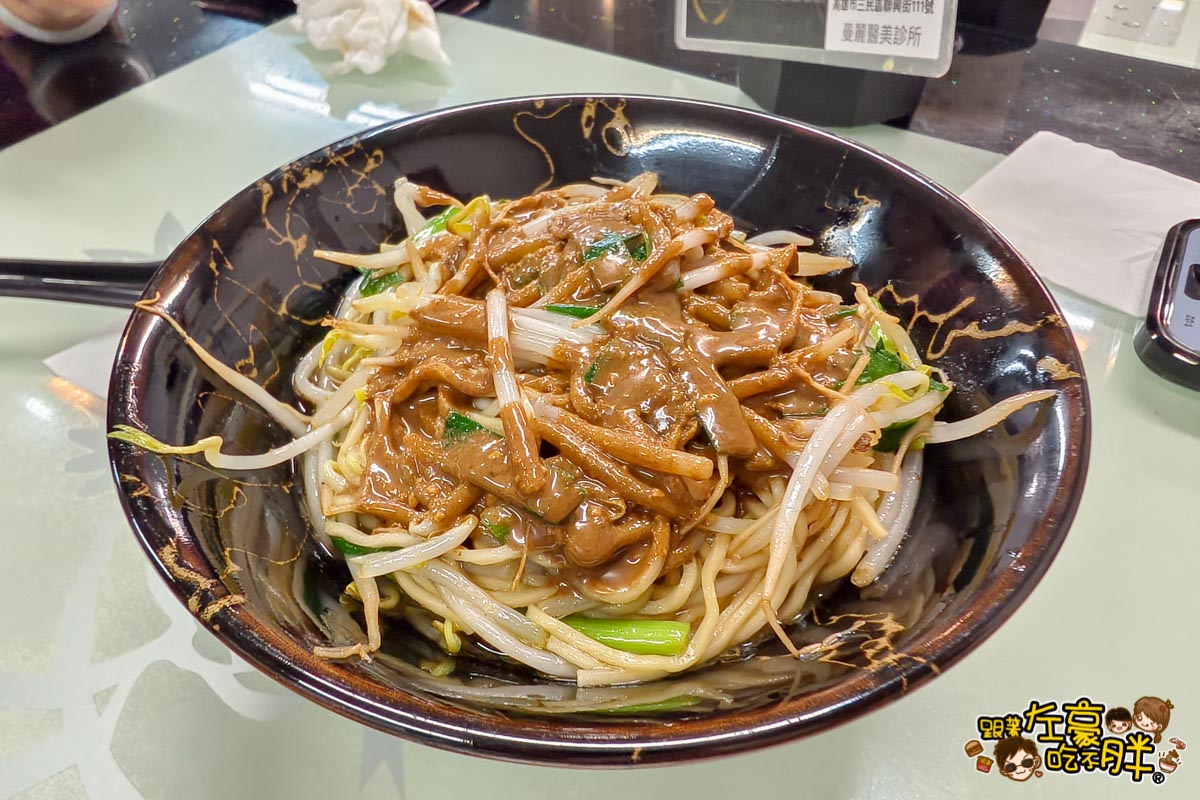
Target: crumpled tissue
[368,32]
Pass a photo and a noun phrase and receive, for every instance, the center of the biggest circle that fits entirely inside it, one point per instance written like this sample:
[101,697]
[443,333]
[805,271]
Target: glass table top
[1157,30]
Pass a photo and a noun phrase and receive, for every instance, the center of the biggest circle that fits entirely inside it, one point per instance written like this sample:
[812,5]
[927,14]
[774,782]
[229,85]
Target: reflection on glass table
[1158,30]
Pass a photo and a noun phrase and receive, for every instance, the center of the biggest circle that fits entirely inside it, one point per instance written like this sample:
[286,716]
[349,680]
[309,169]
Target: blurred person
[55,21]
[58,58]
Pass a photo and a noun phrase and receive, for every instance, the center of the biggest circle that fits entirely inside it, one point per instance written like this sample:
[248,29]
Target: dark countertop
[1000,90]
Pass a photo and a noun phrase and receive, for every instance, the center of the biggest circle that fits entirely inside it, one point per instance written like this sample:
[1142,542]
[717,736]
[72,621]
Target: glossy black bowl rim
[534,740]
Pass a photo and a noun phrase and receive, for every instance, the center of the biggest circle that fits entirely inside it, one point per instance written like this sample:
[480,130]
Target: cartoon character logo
[1017,758]
[1084,737]
[1118,720]
[1151,715]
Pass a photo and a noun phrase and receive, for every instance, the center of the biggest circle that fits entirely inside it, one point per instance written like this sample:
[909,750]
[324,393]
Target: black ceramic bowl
[237,548]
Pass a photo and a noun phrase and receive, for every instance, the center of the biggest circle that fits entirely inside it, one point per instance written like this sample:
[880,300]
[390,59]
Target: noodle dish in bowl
[523,459]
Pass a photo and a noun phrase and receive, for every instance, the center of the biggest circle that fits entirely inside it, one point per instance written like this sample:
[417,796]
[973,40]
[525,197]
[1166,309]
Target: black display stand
[825,95]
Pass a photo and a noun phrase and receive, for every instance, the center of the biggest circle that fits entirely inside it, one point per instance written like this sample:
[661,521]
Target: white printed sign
[911,28]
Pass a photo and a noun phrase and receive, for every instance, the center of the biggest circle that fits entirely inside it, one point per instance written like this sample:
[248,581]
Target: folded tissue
[1087,219]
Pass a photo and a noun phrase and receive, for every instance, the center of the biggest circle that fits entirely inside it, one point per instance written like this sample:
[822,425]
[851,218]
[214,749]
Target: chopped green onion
[352,549]
[578,312]
[435,224]
[458,427]
[498,530]
[647,637]
[312,595]
[937,386]
[679,283]
[880,337]
[372,285]
[590,375]
[670,704]
[889,440]
[637,245]
[845,312]
[609,243]
[882,363]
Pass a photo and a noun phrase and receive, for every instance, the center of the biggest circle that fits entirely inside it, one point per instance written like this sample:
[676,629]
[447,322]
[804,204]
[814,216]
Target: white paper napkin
[89,363]
[1086,219]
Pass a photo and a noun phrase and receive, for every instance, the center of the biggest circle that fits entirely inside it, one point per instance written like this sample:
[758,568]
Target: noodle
[601,401]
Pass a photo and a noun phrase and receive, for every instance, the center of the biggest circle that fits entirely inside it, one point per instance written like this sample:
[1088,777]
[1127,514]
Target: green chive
[435,224]
[312,596]
[881,364]
[578,312]
[845,312]
[637,245]
[590,375]
[889,440]
[882,338]
[498,530]
[458,427]
[648,637]
[670,704]
[372,285]
[608,243]
[351,549]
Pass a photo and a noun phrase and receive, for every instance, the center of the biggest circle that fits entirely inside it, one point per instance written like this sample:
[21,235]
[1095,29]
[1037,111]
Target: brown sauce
[661,371]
